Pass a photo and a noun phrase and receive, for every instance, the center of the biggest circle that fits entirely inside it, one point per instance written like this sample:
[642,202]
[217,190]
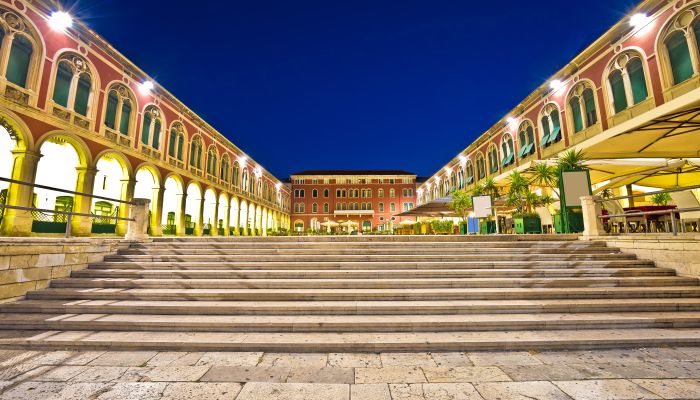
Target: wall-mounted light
[146,87]
[556,84]
[463,160]
[639,20]
[59,21]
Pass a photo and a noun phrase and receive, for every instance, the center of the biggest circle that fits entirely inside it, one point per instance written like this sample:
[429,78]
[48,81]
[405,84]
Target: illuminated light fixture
[511,121]
[146,87]
[242,160]
[639,20]
[258,172]
[556,84]
[278,186]
[462,160]
[59,21]
[449,171]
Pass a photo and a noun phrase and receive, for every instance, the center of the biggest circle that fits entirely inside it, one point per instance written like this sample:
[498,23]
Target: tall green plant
[461,203]
[520,197]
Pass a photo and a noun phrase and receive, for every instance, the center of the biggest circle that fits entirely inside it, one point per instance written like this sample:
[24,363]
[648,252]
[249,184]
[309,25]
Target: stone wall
[30,263]
[681,252]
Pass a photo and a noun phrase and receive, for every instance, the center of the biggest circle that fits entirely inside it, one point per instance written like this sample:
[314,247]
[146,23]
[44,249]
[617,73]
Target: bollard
[136,228]
[592,224]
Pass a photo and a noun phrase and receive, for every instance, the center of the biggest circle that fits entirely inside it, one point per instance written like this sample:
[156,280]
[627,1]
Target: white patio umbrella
[329,225]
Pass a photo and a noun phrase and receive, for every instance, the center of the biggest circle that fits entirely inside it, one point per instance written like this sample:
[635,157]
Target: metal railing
[671,212]
[69,213]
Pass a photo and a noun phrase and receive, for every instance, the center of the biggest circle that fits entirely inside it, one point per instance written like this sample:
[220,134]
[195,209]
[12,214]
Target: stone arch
[193,207]
[79,66]
[173,190]
[223,214]
[210,209]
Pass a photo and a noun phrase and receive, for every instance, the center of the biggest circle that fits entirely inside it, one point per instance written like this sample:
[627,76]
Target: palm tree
[490,188]
[572,159]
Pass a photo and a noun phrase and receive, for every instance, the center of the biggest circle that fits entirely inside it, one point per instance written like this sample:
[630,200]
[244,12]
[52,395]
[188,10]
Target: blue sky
[350,84]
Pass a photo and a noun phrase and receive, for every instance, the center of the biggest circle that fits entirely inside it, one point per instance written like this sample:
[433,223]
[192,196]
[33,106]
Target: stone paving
[645,373]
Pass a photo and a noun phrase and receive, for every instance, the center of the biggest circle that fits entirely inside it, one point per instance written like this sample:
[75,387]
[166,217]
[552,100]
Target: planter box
[486,227]
[529,224]
[575,222]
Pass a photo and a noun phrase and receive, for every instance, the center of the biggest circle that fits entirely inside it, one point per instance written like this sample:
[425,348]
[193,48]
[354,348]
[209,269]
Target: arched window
[550,125]
[212,160]
[460,177]
[244,180]
[392,193]
[507,150]
[225,166]
[73,85]
[196,153]
[20,44]
[493,160]
[176,141]
[314,208]
[118,110]
[526,140]
[325,192]
[381,207]
[480,167]
[627,81]
[681,45]
[470,173]
[314,193]
[453,182]
[236,173]
[582,107]
[150,131]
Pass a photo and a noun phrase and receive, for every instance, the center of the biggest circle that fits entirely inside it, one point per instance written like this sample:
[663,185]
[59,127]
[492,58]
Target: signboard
[482,206]
[574,185]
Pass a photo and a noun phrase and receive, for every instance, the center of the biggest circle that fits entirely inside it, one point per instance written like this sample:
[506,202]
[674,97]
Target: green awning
[470,180]
[544,141]
[522,150]
[554,136]
[507,160]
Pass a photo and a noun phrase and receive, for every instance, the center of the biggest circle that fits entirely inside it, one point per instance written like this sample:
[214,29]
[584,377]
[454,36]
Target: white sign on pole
[575,185]
[482,206]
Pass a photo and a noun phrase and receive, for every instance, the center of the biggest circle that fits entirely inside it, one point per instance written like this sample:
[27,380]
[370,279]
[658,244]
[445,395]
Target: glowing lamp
[639,20]
[59,21]
[146,87]
[556,84]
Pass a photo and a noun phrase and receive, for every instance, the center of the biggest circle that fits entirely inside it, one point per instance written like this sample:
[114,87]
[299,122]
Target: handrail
[671,212]
[62,190]
[44,210]
[673,190]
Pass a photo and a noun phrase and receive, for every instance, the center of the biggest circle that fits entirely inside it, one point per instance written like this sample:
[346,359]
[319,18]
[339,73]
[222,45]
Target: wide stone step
[404,251]
[366,274]
[350,342]
[498,306]
[573,245]
[378,283]
[515,256]
[348,323]
[404,239]
[96,293]
[388,265]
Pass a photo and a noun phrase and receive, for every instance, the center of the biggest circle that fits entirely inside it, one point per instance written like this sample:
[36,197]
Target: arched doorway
[58,168]
[7,144]
[209,214]
[243,219]
[252,227]
[147,187]
[222,223]
[234,219]
[111,180]
[172,199]
[192,207]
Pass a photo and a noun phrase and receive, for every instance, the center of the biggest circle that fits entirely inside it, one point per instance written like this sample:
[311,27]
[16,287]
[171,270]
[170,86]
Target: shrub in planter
[442,226]
[527,223]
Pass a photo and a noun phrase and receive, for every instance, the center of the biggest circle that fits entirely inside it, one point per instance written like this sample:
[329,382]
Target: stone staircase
[364,293]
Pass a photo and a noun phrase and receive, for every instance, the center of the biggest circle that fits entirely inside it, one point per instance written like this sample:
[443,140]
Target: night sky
[330,84]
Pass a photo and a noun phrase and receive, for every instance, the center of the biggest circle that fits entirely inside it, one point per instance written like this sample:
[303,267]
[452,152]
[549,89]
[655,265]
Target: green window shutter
[199,155]
[555,135]
[171,143]
[523,138]
[638,81]
[82,95]
[696,28]
[146,128]
[125,117]
[589,106]
[18,64]
[61,89]
[575,105]
[180,145]
[618,91]
[521,151]
[545,130]
[111,111]
[193,152]
[156,134]
[530,135]
[679,56]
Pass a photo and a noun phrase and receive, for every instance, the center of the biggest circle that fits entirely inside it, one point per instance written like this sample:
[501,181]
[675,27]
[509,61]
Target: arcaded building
[370,199]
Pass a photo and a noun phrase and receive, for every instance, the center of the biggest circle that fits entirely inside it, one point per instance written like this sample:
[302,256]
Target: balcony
[353,213]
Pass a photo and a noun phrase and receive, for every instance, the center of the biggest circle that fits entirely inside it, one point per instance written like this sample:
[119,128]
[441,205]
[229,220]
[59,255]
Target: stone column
[138,211]
[127,193]
[214,231]
[157,212]
[19,222]
[199,225]
[593,226]
[180,217]
[82,226]
[227,218]
[263,224]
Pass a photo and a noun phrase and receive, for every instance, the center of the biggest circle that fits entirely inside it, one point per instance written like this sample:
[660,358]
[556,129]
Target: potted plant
[442,226]
[524,201]
[661,199]
[547,176]
[462,205]
[487,188]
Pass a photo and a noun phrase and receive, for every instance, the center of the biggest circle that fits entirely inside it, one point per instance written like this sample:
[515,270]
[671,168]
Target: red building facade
[370,199]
